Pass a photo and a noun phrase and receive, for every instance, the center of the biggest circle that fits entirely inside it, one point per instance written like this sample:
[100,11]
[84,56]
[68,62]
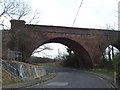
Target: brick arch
[82,55]
[116,42]
[117,45]
[93,41]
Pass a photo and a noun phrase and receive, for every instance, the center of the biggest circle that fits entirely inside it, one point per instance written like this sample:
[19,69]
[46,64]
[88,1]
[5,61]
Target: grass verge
[9,83]
[102,71]
[47,64]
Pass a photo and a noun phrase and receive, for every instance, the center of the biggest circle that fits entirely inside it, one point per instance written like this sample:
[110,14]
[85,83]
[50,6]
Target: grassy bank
[54,64]
[46,64]
[9,83]
[102,71]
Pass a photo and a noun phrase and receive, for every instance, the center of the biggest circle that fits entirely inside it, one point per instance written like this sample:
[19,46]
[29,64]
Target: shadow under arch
[117,45]
[82,55]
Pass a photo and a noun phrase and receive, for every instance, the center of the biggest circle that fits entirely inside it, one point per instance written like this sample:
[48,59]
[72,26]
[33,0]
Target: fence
[14,55]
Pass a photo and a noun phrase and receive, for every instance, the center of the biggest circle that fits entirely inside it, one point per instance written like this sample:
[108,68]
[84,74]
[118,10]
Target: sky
[99,14]
[92,14]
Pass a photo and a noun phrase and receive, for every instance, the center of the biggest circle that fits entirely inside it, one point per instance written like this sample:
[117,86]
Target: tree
[70,59]
[69,51]
[40,50]
[16,9]
[109,54]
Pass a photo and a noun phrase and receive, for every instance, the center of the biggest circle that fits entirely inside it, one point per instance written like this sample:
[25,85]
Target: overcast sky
[92,14]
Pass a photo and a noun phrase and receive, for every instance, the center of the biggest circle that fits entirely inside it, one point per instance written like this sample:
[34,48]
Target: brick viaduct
[87,44]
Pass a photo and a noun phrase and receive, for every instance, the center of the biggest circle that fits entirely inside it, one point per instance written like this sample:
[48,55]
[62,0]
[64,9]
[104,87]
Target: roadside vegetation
[102,71]
[70,61]
[54,64]
[116,65]
[9,83]
[112,65]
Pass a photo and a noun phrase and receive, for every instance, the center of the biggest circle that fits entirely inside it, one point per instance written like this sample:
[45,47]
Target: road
[68,78]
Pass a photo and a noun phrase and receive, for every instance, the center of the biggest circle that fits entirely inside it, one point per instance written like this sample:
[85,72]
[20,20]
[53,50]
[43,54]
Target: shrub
[106,64]
[71,61]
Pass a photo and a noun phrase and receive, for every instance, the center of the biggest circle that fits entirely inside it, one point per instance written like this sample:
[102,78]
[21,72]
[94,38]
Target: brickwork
[86,43]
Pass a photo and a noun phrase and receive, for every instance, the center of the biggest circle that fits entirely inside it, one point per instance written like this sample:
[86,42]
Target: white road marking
[57,84]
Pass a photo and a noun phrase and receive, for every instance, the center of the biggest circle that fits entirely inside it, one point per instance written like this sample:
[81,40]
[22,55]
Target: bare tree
[45,47]
[16,9]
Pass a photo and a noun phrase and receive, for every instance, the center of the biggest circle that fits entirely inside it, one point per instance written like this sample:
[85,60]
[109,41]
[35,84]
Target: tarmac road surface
[68,78]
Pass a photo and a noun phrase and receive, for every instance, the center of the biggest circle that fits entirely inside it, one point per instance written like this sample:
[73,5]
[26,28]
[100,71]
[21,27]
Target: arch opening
[108,55]
[110,52]
[82,55]
[51,50]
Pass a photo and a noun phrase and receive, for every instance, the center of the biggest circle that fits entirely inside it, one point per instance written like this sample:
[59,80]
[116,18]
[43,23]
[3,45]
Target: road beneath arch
[68,78]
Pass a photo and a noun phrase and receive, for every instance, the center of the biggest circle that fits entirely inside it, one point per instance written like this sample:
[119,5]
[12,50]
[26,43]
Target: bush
[71,61]
[103,62]
[116,65]
[106,64]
